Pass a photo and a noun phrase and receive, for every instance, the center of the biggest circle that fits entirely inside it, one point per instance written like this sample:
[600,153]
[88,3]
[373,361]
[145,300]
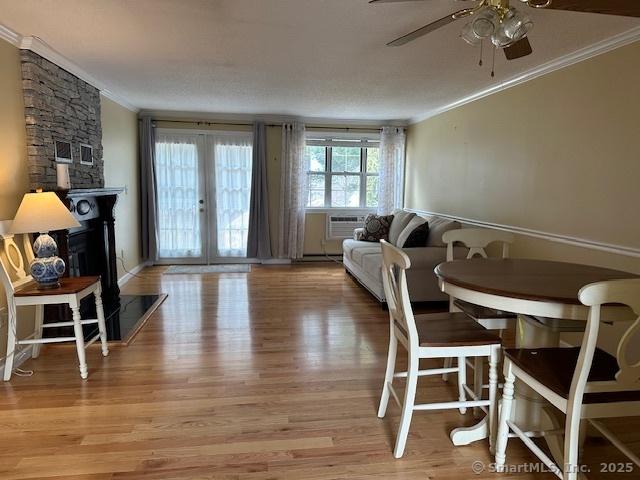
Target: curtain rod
[246,124]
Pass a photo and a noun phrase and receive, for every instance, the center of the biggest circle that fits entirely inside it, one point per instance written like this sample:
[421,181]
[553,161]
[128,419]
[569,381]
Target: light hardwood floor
[274,374]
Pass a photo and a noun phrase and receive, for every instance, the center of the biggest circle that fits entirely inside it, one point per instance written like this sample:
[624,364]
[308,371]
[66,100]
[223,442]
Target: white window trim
[344,139]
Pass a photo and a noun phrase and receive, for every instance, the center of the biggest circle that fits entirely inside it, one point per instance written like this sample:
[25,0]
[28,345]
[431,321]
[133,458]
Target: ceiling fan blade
[519,49]
[626,8]
[409,37]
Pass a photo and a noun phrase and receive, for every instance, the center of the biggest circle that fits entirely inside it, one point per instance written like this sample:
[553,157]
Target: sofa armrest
[358,233]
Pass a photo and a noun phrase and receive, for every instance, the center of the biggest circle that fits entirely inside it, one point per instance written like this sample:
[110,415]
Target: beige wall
[13,168]
[558,154]
[121,169]
[13,162]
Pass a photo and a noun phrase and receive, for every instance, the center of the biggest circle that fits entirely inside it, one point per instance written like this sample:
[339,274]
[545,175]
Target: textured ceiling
[311,58]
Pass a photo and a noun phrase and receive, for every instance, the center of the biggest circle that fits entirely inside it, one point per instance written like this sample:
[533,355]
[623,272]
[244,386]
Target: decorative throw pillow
[401,219]
[415,234]
[418,238]
[376,227]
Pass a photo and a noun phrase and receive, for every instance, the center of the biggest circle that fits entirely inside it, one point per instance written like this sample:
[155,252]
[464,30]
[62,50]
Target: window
[342,174]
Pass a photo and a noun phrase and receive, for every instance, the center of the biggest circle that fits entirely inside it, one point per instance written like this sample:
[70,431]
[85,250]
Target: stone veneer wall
[60,107]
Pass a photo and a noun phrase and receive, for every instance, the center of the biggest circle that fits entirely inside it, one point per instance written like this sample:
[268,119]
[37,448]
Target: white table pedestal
[532,412]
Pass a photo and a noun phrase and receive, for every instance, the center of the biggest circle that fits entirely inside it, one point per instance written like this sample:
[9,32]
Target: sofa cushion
[360,255]
[356,250]
[376,227]
[349,245]
[437,227]
[415,234]
[401,219]
[372,265]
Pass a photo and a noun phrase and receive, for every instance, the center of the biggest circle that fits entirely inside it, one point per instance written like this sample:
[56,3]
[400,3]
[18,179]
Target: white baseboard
[131,273]
[276,261]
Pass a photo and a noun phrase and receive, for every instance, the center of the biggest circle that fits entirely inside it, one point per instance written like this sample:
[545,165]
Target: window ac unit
[342,226]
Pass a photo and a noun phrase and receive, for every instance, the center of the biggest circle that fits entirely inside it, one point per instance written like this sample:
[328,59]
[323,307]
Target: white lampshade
[42,212]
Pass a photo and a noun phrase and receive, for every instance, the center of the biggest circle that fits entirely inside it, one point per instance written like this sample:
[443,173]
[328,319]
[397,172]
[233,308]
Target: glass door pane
[179,195]
[232,160]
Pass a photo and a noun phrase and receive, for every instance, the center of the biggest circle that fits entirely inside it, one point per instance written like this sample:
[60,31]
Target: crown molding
[42,48]
[580,55]
[529,232]
[10,36]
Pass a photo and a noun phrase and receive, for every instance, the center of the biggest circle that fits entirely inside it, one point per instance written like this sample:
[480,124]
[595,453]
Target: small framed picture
[64,152]
[86,154]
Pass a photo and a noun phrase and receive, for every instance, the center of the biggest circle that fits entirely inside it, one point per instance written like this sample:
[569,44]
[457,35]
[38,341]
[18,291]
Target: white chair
[438,335]
[21,290]
[583,382]
[477,240]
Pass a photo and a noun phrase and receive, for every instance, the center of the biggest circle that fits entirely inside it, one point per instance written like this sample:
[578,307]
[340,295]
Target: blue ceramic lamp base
[47,267]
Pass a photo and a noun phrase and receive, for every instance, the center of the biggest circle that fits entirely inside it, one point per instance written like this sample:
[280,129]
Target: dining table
[544,296]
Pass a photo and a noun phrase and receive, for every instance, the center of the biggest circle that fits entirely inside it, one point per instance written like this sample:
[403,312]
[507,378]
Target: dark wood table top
[527,279]
[68,285]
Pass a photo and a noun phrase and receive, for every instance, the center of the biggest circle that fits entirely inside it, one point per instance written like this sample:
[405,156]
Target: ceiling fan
[506,26]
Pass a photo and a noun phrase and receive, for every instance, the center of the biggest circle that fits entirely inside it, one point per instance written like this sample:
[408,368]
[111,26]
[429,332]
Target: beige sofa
[363,260]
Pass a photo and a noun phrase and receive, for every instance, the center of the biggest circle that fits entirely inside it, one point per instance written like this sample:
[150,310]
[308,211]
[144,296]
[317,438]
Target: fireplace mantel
[94,192]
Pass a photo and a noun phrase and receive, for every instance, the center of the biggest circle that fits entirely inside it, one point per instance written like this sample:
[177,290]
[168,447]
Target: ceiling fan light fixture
[516,25]
[500,39]
[485,23]
[469,36]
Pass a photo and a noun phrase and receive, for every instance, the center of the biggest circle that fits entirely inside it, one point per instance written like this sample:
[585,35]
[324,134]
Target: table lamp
[43,212]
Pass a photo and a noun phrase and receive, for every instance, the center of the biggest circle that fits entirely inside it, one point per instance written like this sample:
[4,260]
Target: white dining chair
[21,290]
[477,240]
[437,335]
[584,383]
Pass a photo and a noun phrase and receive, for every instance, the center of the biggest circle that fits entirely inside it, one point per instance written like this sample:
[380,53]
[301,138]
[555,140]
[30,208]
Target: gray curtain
[149,213]
[259,241]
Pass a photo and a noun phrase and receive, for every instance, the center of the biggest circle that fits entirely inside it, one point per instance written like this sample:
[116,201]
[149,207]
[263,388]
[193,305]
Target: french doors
[203,184]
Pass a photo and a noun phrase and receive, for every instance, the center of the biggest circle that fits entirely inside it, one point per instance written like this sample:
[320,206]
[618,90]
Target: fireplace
[90,249]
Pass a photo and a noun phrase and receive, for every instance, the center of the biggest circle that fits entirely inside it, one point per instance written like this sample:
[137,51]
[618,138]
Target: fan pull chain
[493,63]
[481,45]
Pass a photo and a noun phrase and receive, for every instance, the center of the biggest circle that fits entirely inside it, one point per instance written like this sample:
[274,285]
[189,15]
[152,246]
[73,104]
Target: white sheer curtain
[232,157]
[178,192]
[293,191]
[392,145]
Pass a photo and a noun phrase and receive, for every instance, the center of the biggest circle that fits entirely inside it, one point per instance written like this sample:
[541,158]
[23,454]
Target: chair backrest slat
[623,292]
[13,268]
[394,279]
[477,240]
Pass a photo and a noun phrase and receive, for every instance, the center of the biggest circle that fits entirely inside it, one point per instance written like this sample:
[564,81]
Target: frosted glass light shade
[485,23]
[469,36]
[500,39]
[517,25]
[42,212]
